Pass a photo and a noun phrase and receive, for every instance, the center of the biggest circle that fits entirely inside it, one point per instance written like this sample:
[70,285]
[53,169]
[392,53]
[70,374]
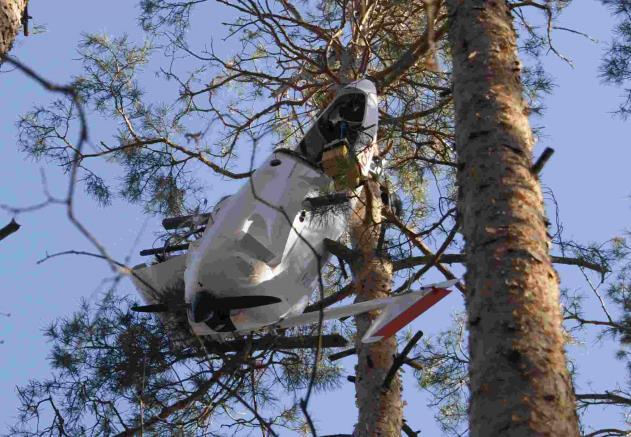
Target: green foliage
[111,366]
[154,174]
[619,292]
[537,84]
[444,374]
[616,65]
[159,15]
[297,368]
[96,187]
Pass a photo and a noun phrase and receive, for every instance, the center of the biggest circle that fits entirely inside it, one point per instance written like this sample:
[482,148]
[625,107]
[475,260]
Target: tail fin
[161,288]
[403,309]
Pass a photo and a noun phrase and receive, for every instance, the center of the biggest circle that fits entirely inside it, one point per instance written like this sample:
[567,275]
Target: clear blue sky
[588,173]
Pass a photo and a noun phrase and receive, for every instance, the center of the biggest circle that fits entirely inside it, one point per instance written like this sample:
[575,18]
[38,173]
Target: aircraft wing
[397,311]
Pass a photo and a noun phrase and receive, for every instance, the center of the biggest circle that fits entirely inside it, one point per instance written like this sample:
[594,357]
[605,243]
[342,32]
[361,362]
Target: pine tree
[520,383]
[11,17]
[616,65]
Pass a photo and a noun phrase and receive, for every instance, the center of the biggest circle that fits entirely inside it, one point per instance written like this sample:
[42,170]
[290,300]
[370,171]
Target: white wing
[397,312]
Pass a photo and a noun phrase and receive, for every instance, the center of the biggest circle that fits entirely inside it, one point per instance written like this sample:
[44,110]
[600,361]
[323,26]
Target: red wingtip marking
[411,313]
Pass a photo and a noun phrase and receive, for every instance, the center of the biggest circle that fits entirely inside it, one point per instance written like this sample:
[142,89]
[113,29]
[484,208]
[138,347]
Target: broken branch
[340,251]
[400,359]
[9,229]
[543,159]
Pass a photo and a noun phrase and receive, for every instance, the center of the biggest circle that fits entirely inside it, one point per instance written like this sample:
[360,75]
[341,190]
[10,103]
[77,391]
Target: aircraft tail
[161,287]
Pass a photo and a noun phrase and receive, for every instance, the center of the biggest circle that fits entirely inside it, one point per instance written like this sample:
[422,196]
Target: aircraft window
[343,119]
[253,242]
[353,108]
[252,246]
[347,110]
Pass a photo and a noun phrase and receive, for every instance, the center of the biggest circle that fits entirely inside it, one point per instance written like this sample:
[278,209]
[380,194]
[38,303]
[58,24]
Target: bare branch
[341,251]
[9,229]
[609,432]
[460,258]
[609,398]
[400,359]
[330,300]
[423,248]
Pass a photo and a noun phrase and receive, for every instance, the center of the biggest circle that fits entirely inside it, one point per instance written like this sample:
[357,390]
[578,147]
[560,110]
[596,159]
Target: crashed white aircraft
[261,252]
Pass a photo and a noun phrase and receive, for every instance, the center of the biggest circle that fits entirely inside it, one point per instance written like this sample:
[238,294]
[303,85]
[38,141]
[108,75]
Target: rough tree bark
[11,13]
[380,410]
[520,385]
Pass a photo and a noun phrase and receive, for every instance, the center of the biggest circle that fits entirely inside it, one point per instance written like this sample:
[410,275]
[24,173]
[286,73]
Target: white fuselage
[261,241]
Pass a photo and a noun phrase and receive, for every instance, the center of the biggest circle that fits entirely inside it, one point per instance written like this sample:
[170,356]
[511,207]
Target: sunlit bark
[520,385]
[11,13]
[380,409]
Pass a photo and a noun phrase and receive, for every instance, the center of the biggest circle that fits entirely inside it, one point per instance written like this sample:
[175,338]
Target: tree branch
[343,354]
[459,258]
[168,410]
[611,324]
[609,432]
[423,248]
[417,50]
[330,300]
[431,263]
[340,250]
[603,398]
[9,229]
[579,263]
[400,359]
[277,342]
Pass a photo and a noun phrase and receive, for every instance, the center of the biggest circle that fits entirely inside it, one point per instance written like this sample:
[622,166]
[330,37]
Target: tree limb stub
[409,431]
[542,160]
[400,359]
[9,229]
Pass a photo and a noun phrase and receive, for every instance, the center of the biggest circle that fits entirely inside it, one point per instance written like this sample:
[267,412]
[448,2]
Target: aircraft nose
[201,307]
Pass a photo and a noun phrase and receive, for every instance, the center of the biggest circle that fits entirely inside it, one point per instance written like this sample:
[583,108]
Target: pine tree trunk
[520,384]
[380,411]
[11,13]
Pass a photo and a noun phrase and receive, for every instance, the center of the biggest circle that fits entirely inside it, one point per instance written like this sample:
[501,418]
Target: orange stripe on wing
[415,310]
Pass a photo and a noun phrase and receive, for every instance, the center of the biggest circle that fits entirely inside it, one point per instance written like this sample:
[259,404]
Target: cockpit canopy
[351,116]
